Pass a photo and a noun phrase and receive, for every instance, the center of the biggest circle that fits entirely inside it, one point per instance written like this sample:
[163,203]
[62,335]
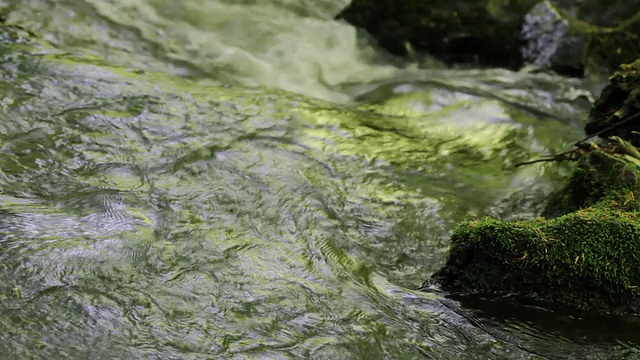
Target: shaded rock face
[610,30]
[568,36]
[617,111]
[484,32]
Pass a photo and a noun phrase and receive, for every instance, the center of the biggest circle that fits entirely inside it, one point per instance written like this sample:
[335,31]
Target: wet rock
[548,41]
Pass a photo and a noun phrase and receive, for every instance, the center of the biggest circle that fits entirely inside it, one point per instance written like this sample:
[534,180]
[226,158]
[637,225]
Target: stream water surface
[255,180]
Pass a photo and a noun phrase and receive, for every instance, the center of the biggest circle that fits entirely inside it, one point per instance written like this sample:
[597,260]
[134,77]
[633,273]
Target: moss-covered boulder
[570,36]
[587,258]
[585,251]
[611,30]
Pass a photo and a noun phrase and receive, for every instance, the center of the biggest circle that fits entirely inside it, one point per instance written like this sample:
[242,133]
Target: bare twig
[567,155]
[615,125]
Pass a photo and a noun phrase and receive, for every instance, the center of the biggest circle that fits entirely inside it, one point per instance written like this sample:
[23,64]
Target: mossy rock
[611,30]
[573,36]
[616,110]
[588,258]
[598,178]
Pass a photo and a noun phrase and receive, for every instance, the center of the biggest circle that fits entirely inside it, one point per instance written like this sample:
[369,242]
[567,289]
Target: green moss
[599,177]
[588,258]
[612,39]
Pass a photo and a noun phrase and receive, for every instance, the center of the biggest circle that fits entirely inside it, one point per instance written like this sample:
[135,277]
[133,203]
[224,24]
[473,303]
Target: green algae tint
[147,211]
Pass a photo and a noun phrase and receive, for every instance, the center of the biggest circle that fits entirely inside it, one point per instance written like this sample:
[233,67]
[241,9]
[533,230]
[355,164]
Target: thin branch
[615,125]
[567,155]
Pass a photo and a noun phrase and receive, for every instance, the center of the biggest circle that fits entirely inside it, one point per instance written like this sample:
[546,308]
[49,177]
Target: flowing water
[254,180]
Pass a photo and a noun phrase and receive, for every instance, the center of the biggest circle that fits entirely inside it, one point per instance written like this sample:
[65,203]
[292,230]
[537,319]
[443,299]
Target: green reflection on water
[156,214]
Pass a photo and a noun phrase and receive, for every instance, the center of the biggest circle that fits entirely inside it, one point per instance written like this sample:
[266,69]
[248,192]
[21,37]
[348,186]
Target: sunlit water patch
[148,211]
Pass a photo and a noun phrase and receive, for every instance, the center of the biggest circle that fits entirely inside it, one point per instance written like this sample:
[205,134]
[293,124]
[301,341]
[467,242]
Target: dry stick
[557,157]
[615,125]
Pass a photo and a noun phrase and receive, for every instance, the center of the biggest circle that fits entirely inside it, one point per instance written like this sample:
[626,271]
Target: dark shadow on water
[537,323]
